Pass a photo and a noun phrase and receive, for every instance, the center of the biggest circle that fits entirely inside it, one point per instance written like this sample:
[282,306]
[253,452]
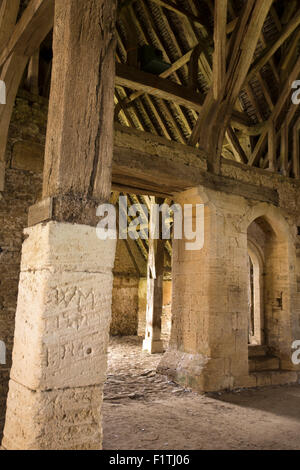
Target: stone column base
[67,419]
[153,347]
[195,371]
[61,339]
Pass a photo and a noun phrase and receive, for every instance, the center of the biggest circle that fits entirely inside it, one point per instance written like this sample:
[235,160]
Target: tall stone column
[65,291]
[209,339]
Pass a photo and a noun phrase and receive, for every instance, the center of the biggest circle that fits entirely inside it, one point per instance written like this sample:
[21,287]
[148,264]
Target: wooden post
[79,161]
[272,146]
[33,73]
[220,37]
[284,149]
[155,276]
[296,152]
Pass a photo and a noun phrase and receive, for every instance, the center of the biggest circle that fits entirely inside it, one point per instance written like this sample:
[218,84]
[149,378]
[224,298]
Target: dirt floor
[142,410]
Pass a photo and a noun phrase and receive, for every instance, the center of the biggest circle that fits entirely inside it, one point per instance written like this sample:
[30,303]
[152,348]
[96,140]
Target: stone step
[257,350]
[263,363]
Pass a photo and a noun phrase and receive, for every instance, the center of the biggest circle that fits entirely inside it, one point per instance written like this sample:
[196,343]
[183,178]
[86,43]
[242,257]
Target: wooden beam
[219,57]
[166,89]
[259,147]
[296,151]
[32,28]
[79,143]
[194,68]
[135,79]
[33,73]
[155,277]
[285,93]
[156,36]
[272,147]
[8,17]
[127,244]
[246,41]
[147,164]
[11,74]
[236,146]
[289,10]
[271,49]
[215,116]
[284,150]
[179,10]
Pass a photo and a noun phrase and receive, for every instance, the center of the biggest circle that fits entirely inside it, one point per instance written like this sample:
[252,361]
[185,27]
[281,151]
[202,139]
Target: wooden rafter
[286,92]
[272,48]
[215,114]
[220,37]
[8,16]
[32,28]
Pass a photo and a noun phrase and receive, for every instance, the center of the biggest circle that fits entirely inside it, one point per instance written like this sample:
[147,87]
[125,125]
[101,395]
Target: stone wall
[23,182]
[125,289]
[125,306]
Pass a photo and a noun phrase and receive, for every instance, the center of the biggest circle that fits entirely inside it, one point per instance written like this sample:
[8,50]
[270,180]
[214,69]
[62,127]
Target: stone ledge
[66,247]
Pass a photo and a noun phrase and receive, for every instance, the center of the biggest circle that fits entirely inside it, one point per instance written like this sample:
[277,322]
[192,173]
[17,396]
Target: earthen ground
[143,410]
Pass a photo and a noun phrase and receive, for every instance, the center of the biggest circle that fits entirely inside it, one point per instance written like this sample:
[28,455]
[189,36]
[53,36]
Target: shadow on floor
[283,400]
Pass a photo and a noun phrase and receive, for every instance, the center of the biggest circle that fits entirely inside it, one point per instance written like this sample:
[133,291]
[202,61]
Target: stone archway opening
[268,304]
[255,295]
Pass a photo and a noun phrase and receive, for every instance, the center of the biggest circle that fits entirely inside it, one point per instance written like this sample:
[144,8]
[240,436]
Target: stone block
[246,381]
[282,377]
[153,347]
[61,333]
[66,247]
[64,308]
[57,420]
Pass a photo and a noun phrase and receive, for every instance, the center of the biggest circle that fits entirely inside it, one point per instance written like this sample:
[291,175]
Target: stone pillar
[155,277]
[209,340]
[65,290]
[61,339]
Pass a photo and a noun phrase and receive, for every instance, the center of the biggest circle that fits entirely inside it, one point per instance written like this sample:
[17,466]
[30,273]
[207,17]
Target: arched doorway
[256,294]
[269,294]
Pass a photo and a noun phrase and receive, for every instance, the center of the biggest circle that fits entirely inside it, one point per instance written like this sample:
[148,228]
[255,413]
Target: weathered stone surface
[124,306]
[66,247]
[61,329]
[209,342]
[21,190]
[61,337]
[54,420]
[64,308]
